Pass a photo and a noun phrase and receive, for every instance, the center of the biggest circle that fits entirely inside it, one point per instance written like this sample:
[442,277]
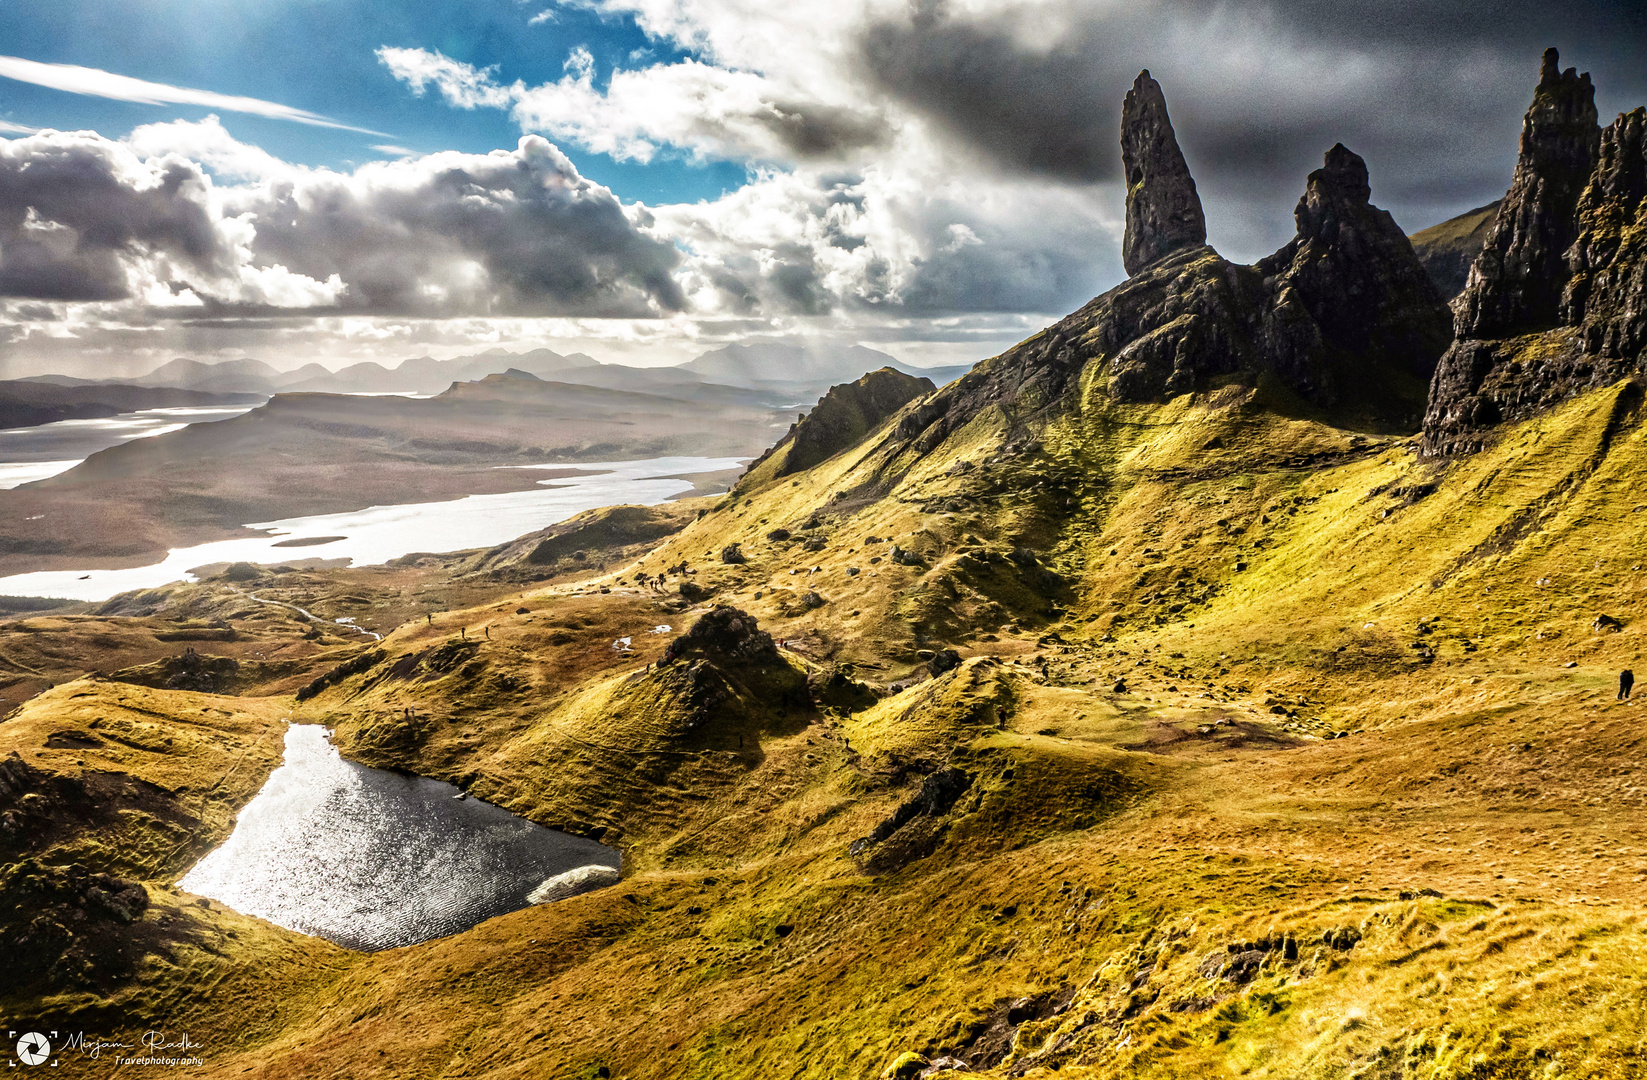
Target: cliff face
[844,416]
[1517,279]
[1557,300]
[1606,296]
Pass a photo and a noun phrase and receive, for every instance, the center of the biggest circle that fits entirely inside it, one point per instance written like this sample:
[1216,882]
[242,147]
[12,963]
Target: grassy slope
[1112,843]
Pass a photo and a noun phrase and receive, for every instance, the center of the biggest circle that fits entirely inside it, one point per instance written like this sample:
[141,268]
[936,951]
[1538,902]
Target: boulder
[725,635]
[572,882]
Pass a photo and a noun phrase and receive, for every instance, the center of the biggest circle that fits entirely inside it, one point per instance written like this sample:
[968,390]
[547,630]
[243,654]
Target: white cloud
[461,84]
[7,127]
[709,111]
[95,82]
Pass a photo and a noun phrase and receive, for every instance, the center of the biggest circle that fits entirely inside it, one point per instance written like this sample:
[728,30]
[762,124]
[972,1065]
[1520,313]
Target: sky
[644,180]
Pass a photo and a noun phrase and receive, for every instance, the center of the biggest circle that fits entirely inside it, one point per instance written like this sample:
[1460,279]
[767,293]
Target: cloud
[95,82]
[82,218]
[507,233]
[394,151]
[9,128]
[708,111]
[462,85]
[88,219]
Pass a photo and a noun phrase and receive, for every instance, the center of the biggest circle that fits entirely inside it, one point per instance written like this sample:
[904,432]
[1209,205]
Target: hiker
[488,631]
[429,618]
[1626,679]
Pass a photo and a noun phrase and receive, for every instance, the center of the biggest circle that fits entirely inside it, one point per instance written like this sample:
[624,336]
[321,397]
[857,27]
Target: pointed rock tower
[1163,211]
[1517,279]
[1557,300]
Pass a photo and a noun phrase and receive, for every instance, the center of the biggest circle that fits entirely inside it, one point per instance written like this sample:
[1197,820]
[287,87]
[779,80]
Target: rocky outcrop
[1163,210]
[1537,328]
[1344,317]
[1348,307]
[845,415]
[1516,282]
[728,636]
[1606,294]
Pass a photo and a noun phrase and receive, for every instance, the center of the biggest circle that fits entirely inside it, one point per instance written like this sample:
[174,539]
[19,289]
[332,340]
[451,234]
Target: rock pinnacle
[1163,211]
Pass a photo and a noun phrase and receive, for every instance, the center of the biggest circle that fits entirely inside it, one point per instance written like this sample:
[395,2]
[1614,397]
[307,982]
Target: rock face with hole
[1163,210]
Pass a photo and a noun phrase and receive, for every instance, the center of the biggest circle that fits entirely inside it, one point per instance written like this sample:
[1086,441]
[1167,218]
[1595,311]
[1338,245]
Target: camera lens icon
[33,1048]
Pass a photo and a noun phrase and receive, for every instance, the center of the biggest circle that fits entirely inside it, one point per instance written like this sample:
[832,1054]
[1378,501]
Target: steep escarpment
[844,416]
[1554,304]
[1448,250]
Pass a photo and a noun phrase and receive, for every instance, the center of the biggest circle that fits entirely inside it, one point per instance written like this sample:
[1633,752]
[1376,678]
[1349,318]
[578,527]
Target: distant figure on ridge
[1626,679]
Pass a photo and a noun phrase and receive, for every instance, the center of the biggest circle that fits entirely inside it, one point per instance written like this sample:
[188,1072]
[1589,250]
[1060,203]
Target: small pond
[372,859]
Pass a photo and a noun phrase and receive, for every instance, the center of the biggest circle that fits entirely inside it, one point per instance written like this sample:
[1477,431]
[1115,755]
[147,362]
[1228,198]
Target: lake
[34,453]
[380,533]
[372,859]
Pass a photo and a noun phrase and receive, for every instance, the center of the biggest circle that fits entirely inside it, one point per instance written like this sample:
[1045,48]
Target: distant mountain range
[778,373]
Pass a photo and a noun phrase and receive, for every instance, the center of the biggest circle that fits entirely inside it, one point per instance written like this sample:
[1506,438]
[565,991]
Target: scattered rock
[944,660]
[733,553]
[1606,624]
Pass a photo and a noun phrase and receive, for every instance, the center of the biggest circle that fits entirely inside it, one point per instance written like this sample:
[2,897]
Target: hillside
[1157,700]
[1448,249]
[28,403]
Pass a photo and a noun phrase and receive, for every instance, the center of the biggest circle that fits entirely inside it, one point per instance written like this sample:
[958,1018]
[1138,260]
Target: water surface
[380,533]
[34,453]
[372,859]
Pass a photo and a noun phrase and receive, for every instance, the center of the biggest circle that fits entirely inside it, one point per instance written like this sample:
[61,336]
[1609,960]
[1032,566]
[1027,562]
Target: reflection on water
[372,859]
[13,473]
[72,441]
[380,533]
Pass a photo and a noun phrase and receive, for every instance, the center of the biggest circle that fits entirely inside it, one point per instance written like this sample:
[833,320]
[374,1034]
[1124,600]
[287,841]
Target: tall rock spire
[1163,211]
[1516,282]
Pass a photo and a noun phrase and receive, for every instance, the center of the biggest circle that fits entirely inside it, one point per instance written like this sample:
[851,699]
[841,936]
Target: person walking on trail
[1626,680]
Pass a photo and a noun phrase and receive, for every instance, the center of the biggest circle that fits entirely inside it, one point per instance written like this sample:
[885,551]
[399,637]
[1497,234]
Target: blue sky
[319,55]
[643,180]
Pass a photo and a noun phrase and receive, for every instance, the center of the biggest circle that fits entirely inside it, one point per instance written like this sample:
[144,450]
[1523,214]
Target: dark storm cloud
[72,210]
[508,233]
[1431,93]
